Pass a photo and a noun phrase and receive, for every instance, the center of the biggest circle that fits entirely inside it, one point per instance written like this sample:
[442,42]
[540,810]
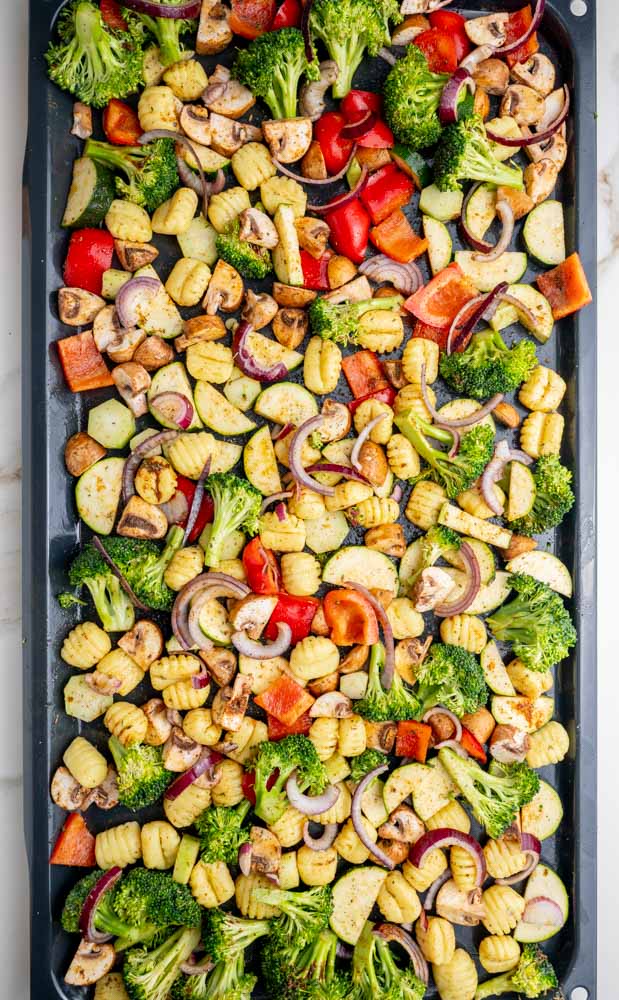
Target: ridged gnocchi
[542,433]
[85,645]
[543,390]
[424,504]
[301,573]
[322,365]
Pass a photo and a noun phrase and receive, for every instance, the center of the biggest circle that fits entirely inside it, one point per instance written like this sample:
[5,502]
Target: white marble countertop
[13,872]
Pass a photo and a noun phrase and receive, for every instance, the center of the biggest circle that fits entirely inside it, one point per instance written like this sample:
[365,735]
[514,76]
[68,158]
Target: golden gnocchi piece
[463,868]
[411,398]
[350,847]
[368,411]
[155,480]
[543,390]
[315,656]
[245,897]
[252,165]
[211,883]
[170,669]
[86,764]
[186,79]
[126,221]
[120,667]
[403,460]
[397,900]
[339,812]
[324,734]
[457,978]
[424,504]
[188,281]
[351,736]
[198,724]
[321,366]
[233,568]
[317,867]
[228,791]
[158,108]
[209,361]
[223,208]
[375,511]
[174,216]
[437,941]
[160,843]
[452,815]
[542,433]
[422,878]
[348,494]
[530,683]
[189,452]
[549,745]
[417,353]
[262,673]
[306,504]
[301,573]
[504,908]
[288,871]
[182,696]
[119,846]
[184,565]
[380,331]
[466,631]
[472,501]
[126,722]
[252,733]
[289,827]
[405,620]
[85,645]
[282,536]
[499,953]
[184,810]
[278,191]
[504,858]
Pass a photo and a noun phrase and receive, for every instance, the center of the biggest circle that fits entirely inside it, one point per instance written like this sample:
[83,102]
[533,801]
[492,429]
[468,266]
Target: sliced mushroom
[380,735]
[319,623]
[540,179]
[322,685]
[387,538]
[266,851]
[91,963]
[153,353]
[256,227]
[109,335]
[200,328]
[395,373]
[397,850]
[553,105]
[407,31]
[373,463]
[259,309]
[82,120]
[133,255]
[521,205]
[77,307]
[126,346]
[67,793]
[409,655]
[431,588]
[288,138]
[313,235]
[313,163]
[414,7]
[132,382]
[291,295]
[442,727]
[142,520]
[230,704]
[553,149]
[357,290]
[105,796]
[227,135]
[143,643]
[537,72]
[459,907]
[221,664]
[180,752]
[81,452]
[103,683]
[340,271]
[214,32]
[195,123]
[372,158]
[225,290]
[488,30]
[337,421]
[332,705]
[492,75]
[229,98]
[403,824]
[290,326]
[355,659]
[252,613]
[159,725]
[480,723]
[523,104]
[509,744]
[312,96]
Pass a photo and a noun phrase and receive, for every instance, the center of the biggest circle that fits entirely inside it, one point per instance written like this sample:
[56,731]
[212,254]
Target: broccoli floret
[92,61]
[112,605]
[553,498]
[453,677]
[67,600]
[435,543]
[536,623]
[222,832]
[454,474]
[303,914]
[339,321]
[488,365]
[166,31]
[293,972]
[228,981]
[412,95]
[293,753]
[347,28]
[494,798]
[142,777]
[106,919]
[149,975]
[226,936]
[376,976]
[150,902]
[249,260]
[465,154]
[532,977]
[237,506]
[366,762]
[150,170]
[272,66]
[143,565]
[378,705]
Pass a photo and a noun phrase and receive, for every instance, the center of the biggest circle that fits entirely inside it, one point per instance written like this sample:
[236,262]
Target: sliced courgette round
[544,233]
[90,195]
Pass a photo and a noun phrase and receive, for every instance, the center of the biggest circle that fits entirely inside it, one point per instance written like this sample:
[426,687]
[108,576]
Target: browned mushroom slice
[229,98]
[159,725]
[331,705]
[337,421]
[340,270]
[252,613]
[256,227]
[431,588]
[290,326]
[200,328]
[459,907]
[553,149]
[228,135]
[180,752]
[109,335]
[321,685]
[488,30]
[397,850]
[143,643]
[142,520]
[259,309]
[520,204]
[357,290]
[523,104]
[312,96]
[221,664]
[492,75]
[540,179]
[537,72]
[290,295]
[509,744]
[380,735]
[82,120]
[133,255]
[77,307]
[214,33]
[407,31]
[195,123]
[403,824]
[394,372]
[288,138]
[105,796]
[91,962]
[266,851]
[132,382]
[225,290]
[313,235]
[230,704]
[313,163]
[66,791]
[124,349]
[80,452]
[153,353]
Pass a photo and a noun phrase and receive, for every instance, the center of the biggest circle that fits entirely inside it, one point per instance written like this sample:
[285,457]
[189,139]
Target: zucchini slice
[286,403]
[522,491]
[218,413]
[354,895]
[358,564]
[545,567]
[486,275]
[543,882]
[90,195]
[428,786]
[112,424]
[536,303]
[172,378]
[260,462]
[497,678]
[544,233]
[440,245]
[97,494]
[214,623]
[481,210]
[326,533]
[528,714]
[543,814]
[413,165]
[441,205]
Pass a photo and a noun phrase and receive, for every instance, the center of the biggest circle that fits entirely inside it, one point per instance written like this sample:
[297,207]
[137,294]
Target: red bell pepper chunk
[207,507]
[82,363]
[315,271]
[358,102]
[566,287]
[111,12]
[364,373]
[298,612]
[251,18]
[89,255]
[440,50]
[350,230]
[472,746]
[75,845]
[386,395]
[121,124]
[261,568]
[335,149]
[436,333]
[285,700]
[453,24]
[438,302]
[288,15]
[386,190]
[277,730]
[396,238]
[380,136]
[351,618]
[515,28]
[413,740]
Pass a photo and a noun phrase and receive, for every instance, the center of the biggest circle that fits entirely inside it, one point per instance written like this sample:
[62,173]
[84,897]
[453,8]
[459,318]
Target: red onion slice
[452,745]
[263,651]
[245,360]
[535,137]
[147,447]
[475,241]
[188,177]
[190,9]
[363,436]
[532,847]
[536,19]
[300,179]
[448,837]
[433,891]
[406,278]
[196,501]
[277,435]
[306,11]
[388,56]
[473,582]
[346,471]
[126,586]
[397,493]
[357,818]
[175,407]
[492,473]
[201,680]
[459,336]
[359,129]
[94,897]
[294,456]
[505,213]
[387,677]
[542,910]
[523,311]
[273,498]
[244,858]
[441,710]
[133,299]
[391,932]
[205,765]
[342,199]
[219,585]
[310,805]
[322,843]
[450,98]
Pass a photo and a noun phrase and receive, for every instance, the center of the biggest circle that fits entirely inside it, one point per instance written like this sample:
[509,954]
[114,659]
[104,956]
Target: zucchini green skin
[97,200]
[413,164]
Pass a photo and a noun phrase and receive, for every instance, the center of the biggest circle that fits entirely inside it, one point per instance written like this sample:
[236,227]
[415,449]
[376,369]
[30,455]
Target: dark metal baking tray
[50,531]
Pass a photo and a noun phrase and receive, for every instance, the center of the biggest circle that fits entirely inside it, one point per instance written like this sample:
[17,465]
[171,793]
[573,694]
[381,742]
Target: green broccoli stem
[283,103]
[479,167]
[372,305]
[409,423]
[113,606]
[87,34]
[167,32]
[116,157]
[495,987]
[117,750]
[348,57]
